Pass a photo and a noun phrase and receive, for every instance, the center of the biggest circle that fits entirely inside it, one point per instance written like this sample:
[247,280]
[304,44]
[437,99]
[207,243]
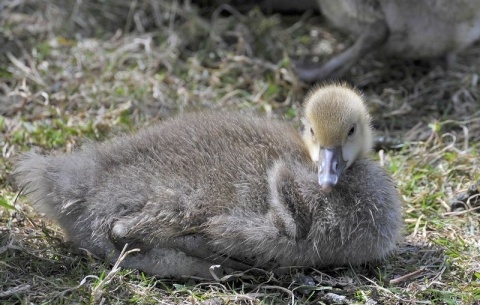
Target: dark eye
[351,131]
[311,131]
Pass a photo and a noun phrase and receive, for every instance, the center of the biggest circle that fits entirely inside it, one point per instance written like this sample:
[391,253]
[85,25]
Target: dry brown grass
[92,69]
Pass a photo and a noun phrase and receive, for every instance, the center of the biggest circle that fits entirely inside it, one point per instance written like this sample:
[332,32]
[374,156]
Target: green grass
[110,82]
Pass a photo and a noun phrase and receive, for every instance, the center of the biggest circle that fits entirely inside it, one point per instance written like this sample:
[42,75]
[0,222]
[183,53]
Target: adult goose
[402,28]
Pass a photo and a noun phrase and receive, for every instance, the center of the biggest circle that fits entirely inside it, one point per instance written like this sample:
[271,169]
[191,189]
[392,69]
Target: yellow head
[337,130]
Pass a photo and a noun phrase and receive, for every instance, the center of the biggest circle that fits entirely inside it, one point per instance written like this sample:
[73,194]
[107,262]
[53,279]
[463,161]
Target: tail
[57,185]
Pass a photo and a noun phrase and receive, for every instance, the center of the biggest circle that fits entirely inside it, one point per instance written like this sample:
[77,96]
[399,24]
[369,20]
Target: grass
[70,72]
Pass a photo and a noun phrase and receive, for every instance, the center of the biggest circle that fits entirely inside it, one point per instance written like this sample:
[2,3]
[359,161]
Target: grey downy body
[213,188]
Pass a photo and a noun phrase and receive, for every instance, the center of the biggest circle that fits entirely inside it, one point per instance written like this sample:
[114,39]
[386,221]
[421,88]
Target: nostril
[335,166]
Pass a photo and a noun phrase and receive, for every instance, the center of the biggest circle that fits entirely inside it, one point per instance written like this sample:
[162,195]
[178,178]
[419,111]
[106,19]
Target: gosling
[227,189]
[401,28]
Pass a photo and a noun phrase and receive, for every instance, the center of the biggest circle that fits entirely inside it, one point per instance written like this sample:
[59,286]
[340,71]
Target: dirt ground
[76,70]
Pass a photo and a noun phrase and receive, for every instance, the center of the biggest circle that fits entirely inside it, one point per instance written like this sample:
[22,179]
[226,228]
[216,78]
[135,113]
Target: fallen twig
[406,276]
